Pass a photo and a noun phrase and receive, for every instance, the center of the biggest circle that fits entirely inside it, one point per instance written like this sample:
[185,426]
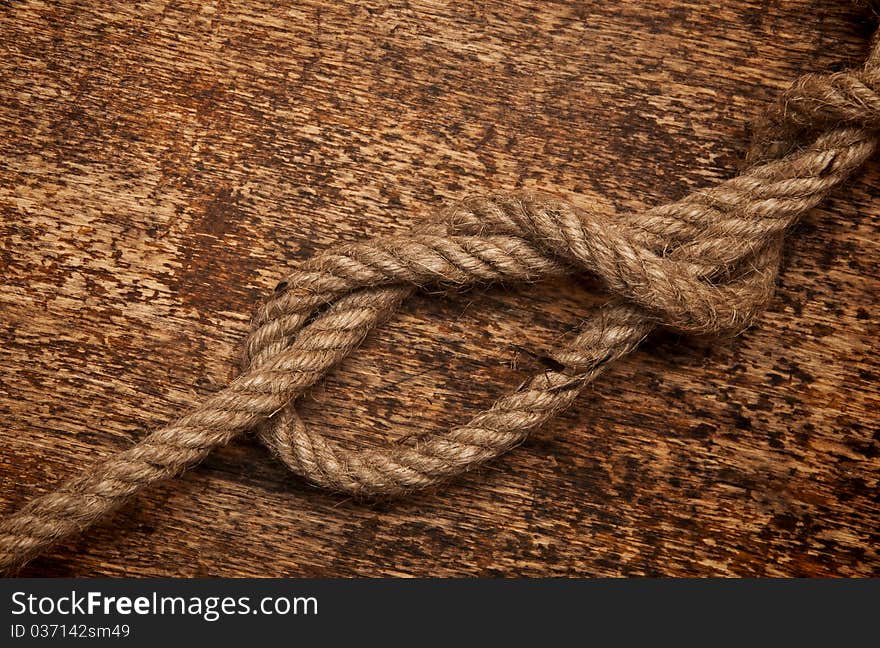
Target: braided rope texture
[706,264]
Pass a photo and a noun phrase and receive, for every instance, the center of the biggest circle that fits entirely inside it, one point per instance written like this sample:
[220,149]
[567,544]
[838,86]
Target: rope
[706,264]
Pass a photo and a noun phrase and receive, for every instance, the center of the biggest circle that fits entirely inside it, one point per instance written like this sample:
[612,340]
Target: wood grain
[162,163]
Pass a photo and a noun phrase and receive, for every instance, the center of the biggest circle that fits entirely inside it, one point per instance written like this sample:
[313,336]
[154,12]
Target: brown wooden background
[161,163]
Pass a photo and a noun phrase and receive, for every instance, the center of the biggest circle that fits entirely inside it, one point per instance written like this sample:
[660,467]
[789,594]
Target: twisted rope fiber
[705,264]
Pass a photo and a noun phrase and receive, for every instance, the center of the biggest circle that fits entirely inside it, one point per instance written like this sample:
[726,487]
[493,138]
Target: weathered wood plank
[161,164]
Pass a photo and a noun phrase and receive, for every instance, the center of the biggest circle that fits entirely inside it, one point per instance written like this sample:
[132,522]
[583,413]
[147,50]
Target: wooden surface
[161,164]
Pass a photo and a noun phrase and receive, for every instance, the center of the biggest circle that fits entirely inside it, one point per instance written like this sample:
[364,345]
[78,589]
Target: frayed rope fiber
[705,264]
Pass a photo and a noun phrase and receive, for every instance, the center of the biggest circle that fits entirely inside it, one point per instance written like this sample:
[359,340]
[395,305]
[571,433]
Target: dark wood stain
[162,164]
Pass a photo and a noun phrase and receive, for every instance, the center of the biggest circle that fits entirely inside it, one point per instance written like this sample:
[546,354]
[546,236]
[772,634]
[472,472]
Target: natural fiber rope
[704,264]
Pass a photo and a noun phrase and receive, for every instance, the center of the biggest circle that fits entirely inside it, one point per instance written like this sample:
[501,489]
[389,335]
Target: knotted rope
[705,264]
